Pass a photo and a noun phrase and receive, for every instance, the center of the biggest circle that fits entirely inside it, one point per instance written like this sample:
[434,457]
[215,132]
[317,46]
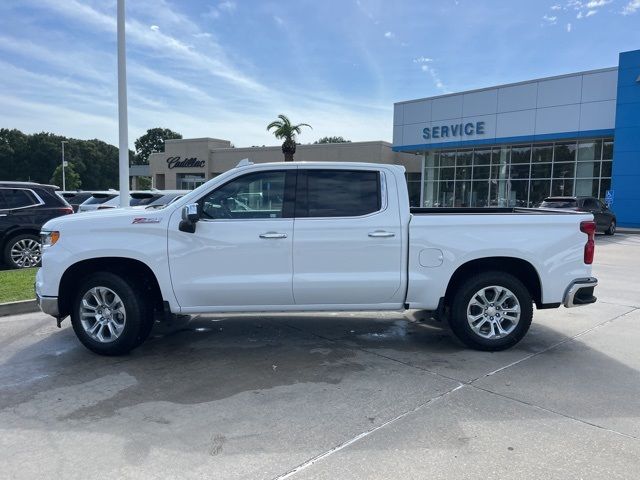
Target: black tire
[612,228]
[462,297]
[139,314]
[25,237]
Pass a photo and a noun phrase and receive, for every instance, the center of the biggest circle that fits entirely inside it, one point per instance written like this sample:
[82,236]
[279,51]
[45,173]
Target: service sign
[455,130]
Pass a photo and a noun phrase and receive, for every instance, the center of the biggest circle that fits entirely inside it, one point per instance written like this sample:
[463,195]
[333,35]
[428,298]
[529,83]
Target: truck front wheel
[491,311]
[109,315]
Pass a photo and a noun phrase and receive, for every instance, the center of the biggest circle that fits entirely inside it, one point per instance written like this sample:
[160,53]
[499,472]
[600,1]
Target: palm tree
[284,130]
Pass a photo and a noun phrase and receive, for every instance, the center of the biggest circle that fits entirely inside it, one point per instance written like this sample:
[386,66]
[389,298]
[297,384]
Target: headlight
[49,238]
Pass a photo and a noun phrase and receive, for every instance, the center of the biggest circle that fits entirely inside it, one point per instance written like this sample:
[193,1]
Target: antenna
[245,162]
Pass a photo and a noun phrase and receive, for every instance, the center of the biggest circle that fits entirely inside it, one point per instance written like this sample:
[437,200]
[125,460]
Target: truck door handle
[273,235]
[381,234]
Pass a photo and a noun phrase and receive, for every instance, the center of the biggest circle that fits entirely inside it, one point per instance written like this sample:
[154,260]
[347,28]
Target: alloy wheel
[26,253]
[102,314]
[493,312]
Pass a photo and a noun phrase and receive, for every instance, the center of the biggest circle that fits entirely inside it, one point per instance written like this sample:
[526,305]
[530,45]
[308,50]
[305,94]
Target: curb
[16,308]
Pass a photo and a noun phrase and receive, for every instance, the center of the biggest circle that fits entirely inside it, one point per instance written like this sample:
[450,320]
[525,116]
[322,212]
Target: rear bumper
[580,292]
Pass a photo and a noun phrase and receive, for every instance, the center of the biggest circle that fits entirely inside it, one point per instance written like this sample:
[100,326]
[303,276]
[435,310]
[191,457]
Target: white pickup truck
[312,237]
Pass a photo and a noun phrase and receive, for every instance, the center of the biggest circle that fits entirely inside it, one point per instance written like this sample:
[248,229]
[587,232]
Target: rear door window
[338,193]
[18,198]
[99,198]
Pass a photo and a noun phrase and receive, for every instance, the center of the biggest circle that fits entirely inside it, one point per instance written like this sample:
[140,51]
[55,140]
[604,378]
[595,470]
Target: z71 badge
[146,220]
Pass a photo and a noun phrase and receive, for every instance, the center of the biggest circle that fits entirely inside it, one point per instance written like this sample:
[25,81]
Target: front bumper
[580,292]
[48,305]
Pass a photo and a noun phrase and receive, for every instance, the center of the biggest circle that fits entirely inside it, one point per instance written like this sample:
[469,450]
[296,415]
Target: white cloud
[632,7]
[551,20]
[568,28]
[597,3]
[227,6]
[213,61]
[425,66]
[579,15]
[389,35]
[556,7]
[155,28]
[591,13]
[278,20]
[216,11]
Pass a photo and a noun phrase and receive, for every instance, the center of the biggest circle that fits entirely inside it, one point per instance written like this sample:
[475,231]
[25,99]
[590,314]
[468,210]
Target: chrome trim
[273,235]
[381,234]
[48,305]
[574,287]
[383,191]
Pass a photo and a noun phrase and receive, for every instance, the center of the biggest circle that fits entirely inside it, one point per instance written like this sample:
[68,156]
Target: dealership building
[188,163]
[513,145]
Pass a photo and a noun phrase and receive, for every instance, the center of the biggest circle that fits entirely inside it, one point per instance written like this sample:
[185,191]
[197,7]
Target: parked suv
[604,217]
[75,198]
[96,200]
[24,208]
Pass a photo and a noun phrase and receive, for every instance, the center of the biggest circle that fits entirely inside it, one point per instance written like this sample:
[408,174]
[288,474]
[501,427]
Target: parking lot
[337,396]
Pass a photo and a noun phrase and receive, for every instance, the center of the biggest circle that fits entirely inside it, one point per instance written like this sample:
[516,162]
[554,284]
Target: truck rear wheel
[109,315]
[491,311]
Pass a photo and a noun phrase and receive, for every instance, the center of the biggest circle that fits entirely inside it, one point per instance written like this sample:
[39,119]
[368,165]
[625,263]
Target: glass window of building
[517,175]
[414,185]
[189,181]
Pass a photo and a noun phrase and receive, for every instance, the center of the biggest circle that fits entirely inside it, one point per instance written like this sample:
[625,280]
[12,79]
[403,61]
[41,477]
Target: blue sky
[226,68]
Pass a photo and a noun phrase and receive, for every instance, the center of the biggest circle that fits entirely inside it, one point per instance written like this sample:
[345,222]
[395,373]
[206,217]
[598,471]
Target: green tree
[33,157]
[331,140]
[152,141]
[284,130]
[72,178]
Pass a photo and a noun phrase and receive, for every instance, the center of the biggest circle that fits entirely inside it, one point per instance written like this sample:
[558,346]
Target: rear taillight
[589,227]
[66,210]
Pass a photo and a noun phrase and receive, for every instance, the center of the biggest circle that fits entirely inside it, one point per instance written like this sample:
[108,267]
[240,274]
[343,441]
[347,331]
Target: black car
[24,208]
[604,217]
[75,198]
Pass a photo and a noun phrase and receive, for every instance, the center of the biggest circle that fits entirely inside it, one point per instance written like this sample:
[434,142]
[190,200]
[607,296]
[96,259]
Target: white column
[123,128]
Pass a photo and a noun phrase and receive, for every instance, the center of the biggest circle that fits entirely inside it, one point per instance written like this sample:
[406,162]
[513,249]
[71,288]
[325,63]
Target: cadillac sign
[192,162]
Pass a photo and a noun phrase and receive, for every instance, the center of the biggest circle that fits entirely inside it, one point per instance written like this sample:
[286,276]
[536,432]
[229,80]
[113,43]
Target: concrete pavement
[333,396]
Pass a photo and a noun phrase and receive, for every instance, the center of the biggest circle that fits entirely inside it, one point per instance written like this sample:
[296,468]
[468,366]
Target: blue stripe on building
[626,145]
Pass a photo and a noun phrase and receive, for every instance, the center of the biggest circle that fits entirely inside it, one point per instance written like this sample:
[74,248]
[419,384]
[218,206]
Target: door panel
[226,262]
[340,260]
[241,251]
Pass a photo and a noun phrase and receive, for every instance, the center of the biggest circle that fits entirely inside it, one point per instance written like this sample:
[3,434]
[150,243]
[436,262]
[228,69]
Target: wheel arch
[18,230]
[519,268]
[131,269]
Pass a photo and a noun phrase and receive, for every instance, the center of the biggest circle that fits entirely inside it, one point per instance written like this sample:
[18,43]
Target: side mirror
[190,217]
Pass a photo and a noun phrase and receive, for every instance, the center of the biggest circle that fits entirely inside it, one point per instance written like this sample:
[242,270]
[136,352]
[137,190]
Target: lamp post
[123,131]
[64,164]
